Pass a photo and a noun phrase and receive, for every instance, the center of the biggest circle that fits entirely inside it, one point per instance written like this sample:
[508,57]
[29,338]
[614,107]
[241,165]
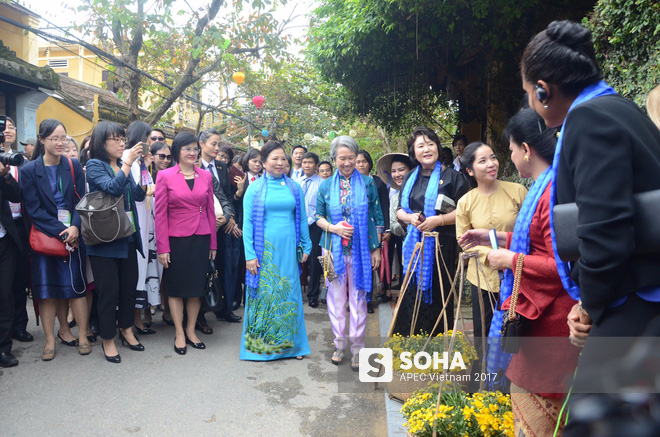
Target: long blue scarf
[359,219]
[498,361]
[564,269]
[423,273]
[258,211]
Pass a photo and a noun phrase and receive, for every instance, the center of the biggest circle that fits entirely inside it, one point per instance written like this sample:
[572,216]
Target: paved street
[204,393]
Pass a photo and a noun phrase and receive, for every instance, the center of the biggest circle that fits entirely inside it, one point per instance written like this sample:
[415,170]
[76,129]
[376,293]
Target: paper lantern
[258,101]
[238,77]
[332,135]
[352,132]
[264,133]
[308,137]
[285,136]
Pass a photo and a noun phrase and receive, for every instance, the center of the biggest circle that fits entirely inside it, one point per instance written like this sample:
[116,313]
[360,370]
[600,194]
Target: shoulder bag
[326,260]
[103,218]
[512,324]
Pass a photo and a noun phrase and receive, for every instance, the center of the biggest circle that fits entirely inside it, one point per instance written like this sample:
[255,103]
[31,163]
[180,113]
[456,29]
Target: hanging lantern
[285,136]
[238,77]
[352,132]
[264,133]
[332,135]
[308,137]
[258,101]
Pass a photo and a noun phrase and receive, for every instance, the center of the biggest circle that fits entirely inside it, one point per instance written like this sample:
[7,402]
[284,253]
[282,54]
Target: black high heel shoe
[91,338]
[68,343]
[134,347]
[146,331]
[199,345]
[116,359]
[180,350]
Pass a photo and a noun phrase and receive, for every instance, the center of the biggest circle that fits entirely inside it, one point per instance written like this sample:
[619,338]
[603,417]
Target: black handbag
[647,230]
[214,297]
[512,324]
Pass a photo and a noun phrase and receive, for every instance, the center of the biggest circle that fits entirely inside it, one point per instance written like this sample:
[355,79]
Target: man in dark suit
[10,244]
[209,142]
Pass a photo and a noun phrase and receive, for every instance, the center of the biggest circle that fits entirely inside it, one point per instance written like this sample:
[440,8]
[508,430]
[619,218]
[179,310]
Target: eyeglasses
[61,140]
[118,139]
[157,138]
[164,156]
[191,149]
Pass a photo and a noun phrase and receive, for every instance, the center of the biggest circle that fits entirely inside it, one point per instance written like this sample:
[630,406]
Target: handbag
[645,223]
[326,260]
[512,324]
[103,218]
[214,298]
[51,246]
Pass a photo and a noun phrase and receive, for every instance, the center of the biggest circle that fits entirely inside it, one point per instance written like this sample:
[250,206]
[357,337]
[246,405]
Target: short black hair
[181,140]
[226,148]
[46,128]
[157,146]
[251,154]
[528,127]
[446,156]
[298,146]
[136,132]
[421,131]
[288,158]
[367,156]
[205,135]
[311,155]
[158,130]
[563,55]
[101,133]
[268,148]
[458,138]
[467,160]
[326,162]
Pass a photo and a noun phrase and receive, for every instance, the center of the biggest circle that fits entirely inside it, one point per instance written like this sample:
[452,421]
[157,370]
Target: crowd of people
[266,217]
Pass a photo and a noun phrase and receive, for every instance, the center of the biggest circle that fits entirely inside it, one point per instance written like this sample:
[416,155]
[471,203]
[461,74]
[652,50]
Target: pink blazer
[181,212]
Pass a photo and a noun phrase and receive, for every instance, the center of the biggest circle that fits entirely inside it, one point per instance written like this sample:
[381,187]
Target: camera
[11,157]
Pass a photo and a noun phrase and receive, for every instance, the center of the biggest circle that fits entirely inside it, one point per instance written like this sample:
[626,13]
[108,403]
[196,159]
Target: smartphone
[492,235]
[145,148]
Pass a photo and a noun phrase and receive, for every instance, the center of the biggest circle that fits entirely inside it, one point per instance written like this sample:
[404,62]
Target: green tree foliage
[399,58]
[627,39]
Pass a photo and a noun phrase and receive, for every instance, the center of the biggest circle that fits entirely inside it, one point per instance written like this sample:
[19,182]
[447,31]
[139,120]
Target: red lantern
[258,101]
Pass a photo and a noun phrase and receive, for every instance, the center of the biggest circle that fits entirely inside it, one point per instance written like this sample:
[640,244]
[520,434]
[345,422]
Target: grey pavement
[204,393]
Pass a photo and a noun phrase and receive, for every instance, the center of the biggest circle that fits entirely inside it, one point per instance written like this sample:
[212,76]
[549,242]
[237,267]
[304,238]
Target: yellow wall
[76,125]
[25,45]
[83,64]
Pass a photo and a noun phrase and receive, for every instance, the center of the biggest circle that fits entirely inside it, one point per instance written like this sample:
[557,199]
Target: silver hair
[343,141]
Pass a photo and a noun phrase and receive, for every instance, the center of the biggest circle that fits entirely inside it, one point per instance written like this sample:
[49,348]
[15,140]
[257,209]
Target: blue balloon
[264,133]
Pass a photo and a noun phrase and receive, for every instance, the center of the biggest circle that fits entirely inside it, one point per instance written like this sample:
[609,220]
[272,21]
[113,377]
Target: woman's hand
[237,232]
[231,223]
[342,230]
[500,259]
[4,169]
[474,237]
[375,259]
[164,259]
[430,223]
[212,253]
[220,220]
[147,159]
[579,325]
[304,258]
[386,237]
[240,184]
[72,236]
[252,266]
[133,154]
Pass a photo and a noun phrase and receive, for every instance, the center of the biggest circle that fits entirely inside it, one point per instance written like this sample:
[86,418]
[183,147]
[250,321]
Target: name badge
[64,217]
[132,219]
[15,208]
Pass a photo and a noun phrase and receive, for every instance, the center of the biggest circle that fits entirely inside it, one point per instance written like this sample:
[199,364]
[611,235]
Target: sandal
[47,354]
[84,349]
[337,357]
[355,362]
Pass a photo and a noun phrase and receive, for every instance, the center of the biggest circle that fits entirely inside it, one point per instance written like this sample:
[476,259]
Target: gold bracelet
[443,220]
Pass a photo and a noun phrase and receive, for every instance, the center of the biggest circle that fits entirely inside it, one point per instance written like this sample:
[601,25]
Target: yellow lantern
[308,137]
[238,77]
[352,132]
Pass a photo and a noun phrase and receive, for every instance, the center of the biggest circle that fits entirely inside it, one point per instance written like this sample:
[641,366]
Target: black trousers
[314,288]
[476,321]
[8,252]
[21,280]
[115,280]
[627,320]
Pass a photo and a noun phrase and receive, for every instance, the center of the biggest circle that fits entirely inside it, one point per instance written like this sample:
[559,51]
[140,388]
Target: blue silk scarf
[591,92]
[497,360]
[424,273]
[359,219]
[258,212]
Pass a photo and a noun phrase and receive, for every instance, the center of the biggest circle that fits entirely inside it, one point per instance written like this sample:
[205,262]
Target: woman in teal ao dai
[275,234]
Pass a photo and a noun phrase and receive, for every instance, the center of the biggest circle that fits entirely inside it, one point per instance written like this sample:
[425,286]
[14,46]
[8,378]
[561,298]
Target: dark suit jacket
[610,150]
[38,197]
[222,188]
[10,191]
[101,177]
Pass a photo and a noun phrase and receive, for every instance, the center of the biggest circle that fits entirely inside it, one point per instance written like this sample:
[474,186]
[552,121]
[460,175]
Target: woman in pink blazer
[185,235]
